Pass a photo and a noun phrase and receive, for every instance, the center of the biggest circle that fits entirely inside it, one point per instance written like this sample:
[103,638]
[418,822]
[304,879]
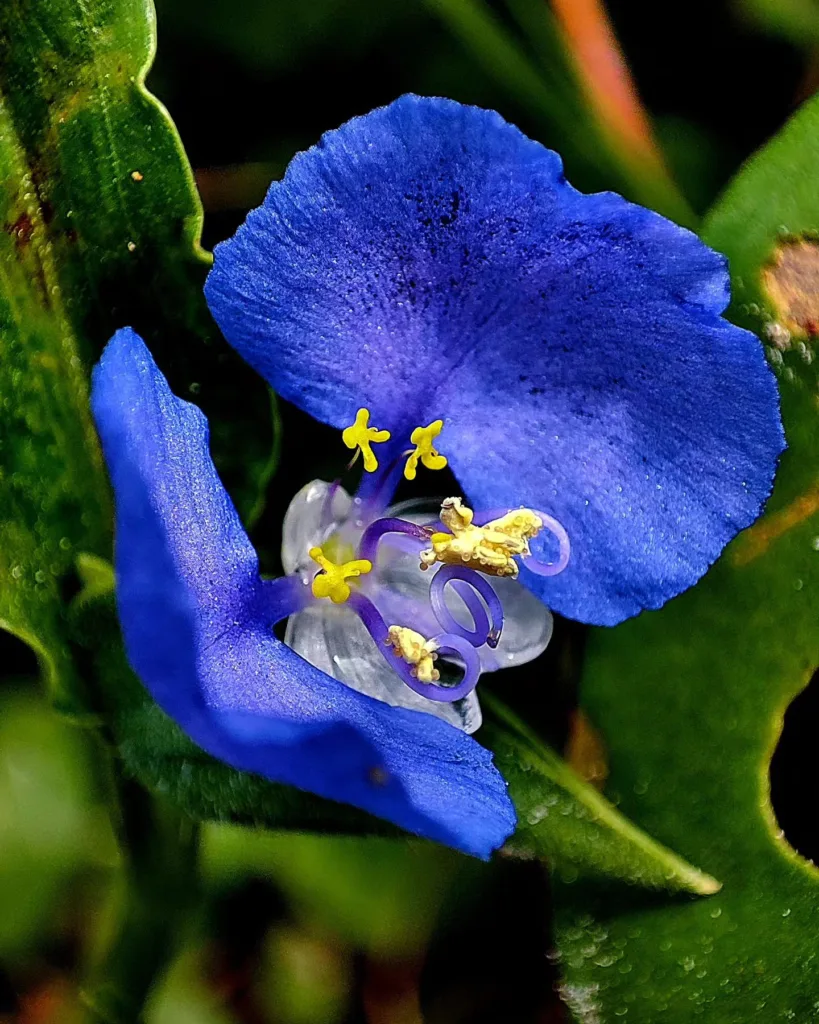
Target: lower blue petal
[196,619]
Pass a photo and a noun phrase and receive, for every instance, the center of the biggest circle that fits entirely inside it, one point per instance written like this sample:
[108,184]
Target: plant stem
[159,856]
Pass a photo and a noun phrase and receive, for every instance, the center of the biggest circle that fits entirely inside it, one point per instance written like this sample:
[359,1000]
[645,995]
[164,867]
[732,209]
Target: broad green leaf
[561,818]
[690,699]
[120,209]
[565,821]
[100,228]
[53,496]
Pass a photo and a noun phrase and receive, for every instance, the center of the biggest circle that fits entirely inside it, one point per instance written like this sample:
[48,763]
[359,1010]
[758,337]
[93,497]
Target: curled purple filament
[549,523]
[446,643]
[564,549]
[474,591]
[370,539]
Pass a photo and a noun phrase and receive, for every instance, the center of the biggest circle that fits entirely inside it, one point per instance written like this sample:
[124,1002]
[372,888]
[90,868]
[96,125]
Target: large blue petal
[429,260]
[196,621]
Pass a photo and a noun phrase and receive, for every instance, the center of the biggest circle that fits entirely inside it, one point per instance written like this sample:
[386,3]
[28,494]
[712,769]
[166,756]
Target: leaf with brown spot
[791,282]
[690,701]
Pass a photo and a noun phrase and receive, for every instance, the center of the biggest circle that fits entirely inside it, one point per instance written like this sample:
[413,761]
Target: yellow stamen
[489,549]
[332,580]
[422,438]
[416,651]
[360,435]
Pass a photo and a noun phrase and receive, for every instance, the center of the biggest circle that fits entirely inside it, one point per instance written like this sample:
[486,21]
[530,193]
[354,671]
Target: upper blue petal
[429,260]
[196,621]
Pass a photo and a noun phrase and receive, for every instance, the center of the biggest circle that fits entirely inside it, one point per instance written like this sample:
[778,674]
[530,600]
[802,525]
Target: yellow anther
[332,580]
[422,438]
[489,549]
[360,435]
[416,651]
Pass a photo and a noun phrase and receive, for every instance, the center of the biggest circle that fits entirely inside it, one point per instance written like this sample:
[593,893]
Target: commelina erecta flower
[426,281]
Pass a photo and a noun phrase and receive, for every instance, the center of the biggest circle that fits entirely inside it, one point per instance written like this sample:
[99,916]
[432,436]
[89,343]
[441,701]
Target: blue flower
[426,280]
[428,261]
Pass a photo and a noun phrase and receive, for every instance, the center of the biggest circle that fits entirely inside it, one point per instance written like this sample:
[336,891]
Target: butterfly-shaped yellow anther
[332,580]
[422,438]
[360,435]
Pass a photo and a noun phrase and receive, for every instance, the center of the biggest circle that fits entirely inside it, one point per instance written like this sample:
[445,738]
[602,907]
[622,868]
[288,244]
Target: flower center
[364,560]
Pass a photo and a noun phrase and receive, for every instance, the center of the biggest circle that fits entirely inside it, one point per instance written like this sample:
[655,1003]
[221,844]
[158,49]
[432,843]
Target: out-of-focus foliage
[797,20]
[51,833]
[691,698]
[382,895]
[289,31]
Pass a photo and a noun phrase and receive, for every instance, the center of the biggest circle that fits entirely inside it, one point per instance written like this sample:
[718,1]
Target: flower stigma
[425,452]
[490,549]
[361,436]
[331,580]
[416,651]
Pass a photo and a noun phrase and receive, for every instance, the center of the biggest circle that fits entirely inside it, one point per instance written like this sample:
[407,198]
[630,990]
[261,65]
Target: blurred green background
[307,930]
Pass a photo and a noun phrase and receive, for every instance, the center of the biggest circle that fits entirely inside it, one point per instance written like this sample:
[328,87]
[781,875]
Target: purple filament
[549,523]
[551,568]
[376,489]
[470,587]
[370,539]
[446,643]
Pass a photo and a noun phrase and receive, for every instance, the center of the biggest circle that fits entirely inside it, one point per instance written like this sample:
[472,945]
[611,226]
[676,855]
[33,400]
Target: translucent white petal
[334,639]
[311,516]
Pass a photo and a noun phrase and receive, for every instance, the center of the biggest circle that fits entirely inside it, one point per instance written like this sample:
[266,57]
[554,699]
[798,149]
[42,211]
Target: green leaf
[53,496]
[100,225]
[120,208]
[564,820]
[691,698]
[561,818]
